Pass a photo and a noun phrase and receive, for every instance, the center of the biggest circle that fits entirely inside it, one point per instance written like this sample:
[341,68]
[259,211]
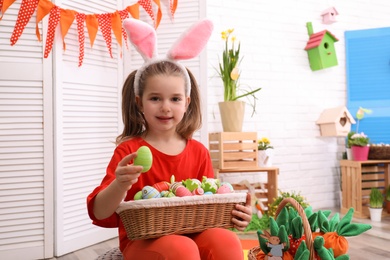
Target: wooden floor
[373,244]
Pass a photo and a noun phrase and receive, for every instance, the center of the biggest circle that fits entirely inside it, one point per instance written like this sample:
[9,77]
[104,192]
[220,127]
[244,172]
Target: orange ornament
[338,243]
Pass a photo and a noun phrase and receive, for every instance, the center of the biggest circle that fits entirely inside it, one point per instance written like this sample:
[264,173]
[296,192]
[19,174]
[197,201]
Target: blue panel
[368,80]
[372,127]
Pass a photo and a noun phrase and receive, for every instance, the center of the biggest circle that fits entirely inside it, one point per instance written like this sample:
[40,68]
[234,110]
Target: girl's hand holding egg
[127,174]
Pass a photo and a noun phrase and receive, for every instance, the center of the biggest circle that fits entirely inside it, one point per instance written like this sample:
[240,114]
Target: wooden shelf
[357,179]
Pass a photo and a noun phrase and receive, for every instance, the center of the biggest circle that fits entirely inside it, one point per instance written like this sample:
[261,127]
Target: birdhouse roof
[332,115]
[316,39]
[330,10]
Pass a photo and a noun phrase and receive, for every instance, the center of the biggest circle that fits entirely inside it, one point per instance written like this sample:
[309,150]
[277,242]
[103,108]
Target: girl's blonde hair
[134,121]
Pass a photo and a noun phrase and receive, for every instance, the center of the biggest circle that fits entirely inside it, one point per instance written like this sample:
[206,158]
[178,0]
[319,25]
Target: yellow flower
[265,140]
[264,144]
[233,38]
[224,35]
[235,74]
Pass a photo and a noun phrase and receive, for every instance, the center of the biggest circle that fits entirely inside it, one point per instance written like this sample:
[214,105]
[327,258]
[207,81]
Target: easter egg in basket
[148,192]
[161,186]
[138,195]
[223,189]
[144,158]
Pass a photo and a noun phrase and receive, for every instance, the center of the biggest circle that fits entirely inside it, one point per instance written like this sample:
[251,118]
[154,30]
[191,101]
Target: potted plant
[231,108]
[359,146]
[265,152]
[387,199]
[376,204]
[272,206]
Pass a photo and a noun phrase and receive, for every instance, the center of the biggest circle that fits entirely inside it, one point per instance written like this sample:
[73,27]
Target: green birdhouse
[320,49]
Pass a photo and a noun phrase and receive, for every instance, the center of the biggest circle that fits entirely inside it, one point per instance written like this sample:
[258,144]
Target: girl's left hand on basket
[127,174]
[242,215]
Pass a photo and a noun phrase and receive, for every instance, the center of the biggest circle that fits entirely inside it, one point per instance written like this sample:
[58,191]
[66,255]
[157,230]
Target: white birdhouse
[335,121]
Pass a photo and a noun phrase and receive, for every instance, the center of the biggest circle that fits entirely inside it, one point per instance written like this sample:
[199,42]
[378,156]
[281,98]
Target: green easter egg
[138,195]
[144,158]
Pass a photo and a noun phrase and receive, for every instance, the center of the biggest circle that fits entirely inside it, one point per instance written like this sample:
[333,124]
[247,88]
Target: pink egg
[198,191]
[223,189]
[182,192]
[161,186]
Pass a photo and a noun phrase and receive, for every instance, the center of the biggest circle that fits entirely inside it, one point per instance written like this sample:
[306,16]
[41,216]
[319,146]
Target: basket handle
[306,225]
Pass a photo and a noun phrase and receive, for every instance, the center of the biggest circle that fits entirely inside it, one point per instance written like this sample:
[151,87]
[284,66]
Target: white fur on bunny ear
[192,41]
[142,36]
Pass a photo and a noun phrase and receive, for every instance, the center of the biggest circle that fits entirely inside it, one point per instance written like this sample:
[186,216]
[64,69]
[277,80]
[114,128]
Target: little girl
[161,110]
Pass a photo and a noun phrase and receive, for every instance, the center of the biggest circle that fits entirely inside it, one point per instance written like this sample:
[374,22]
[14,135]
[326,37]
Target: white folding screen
[26,150]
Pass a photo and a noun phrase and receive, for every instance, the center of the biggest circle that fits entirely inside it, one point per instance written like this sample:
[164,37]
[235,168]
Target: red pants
[211,244]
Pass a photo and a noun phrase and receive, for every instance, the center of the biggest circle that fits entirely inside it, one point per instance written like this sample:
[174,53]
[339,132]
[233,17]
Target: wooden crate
[357,179]
[232,150]
[236,152]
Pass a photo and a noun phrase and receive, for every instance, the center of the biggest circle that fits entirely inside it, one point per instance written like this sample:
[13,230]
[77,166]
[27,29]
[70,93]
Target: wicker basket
[153,218]
[379,152]
[252,254]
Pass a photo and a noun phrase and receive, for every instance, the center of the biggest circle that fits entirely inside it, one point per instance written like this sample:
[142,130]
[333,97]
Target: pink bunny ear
[192,42]
[142,36]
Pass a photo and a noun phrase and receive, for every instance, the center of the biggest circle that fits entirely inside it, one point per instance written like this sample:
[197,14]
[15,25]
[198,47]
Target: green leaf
[333,223]
[274,227]
[302,252]
[282,218]
[297,227]
[323,222]
[354,229]
[262,241]
[345,221]
[282,234]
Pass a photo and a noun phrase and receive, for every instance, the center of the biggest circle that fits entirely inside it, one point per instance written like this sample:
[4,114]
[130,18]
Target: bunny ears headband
[189,45]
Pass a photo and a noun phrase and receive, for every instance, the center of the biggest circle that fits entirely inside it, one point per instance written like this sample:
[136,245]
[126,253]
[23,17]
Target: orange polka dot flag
[108,23]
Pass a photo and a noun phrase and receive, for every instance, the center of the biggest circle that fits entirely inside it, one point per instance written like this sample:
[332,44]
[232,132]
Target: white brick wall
[273,35]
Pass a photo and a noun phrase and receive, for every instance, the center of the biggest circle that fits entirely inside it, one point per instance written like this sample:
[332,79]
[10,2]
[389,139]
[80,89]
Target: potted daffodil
[232,109]
[265,152]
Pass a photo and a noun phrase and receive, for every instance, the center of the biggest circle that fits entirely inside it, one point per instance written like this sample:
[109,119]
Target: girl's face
[164,102]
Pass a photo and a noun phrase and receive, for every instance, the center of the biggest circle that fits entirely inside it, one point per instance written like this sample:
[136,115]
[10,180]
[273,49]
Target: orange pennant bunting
[92,27]
[117,27]
[133,10]
[54,19]
[26,10]
[104,21]
[44,7]
[4,4]
[67,18]
[80,18]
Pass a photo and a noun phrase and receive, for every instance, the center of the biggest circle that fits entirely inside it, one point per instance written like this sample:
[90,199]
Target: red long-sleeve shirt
[193,162]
